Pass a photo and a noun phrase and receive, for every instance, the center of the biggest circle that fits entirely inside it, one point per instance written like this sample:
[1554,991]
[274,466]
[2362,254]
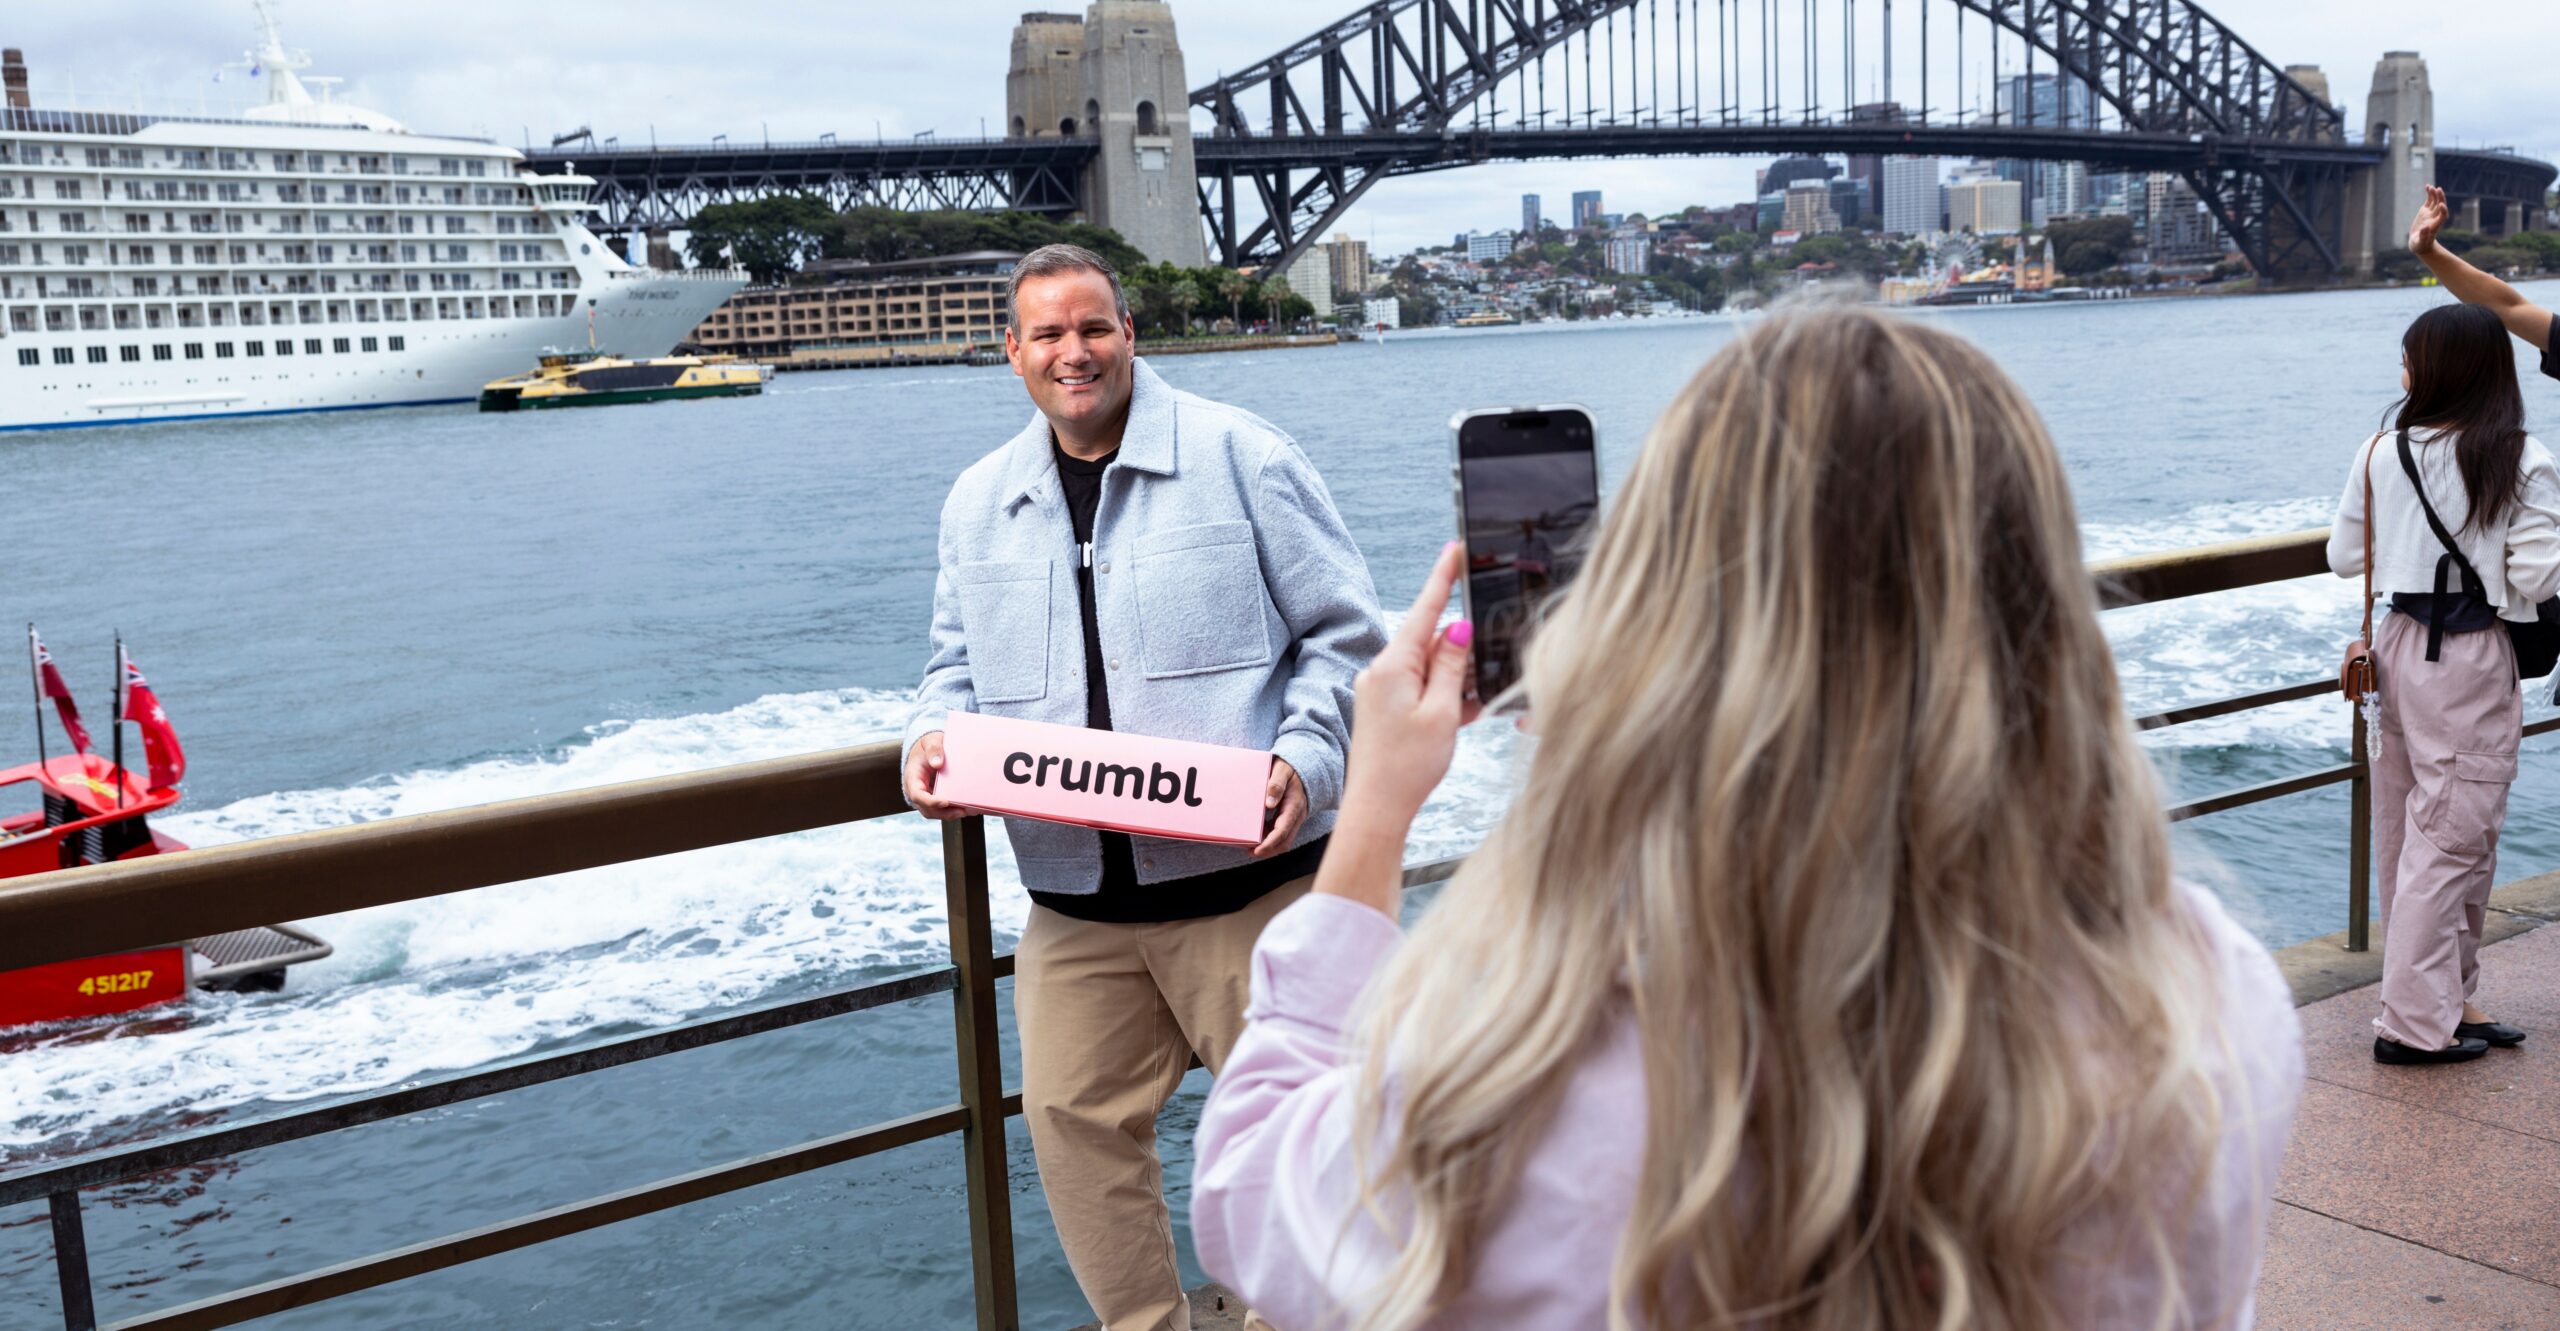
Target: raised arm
[2468,284]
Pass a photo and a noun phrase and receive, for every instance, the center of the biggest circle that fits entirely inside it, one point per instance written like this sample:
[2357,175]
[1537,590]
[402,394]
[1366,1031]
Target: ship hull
[439,361]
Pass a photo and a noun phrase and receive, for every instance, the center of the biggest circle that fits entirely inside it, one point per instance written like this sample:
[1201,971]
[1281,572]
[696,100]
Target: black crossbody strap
[2453,557]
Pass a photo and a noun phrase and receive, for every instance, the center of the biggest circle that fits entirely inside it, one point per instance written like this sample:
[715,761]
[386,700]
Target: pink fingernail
[1449,547]
[1462,633]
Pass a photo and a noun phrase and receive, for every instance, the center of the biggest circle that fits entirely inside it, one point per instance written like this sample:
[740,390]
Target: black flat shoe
[2497,1033]
[2460,1051]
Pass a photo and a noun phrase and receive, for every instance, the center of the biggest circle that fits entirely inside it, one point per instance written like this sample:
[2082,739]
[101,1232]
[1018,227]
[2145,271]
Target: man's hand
[1284,804]
[2430,220]
[924,763]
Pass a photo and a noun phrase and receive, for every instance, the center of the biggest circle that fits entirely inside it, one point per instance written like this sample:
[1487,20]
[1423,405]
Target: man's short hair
[1053,261]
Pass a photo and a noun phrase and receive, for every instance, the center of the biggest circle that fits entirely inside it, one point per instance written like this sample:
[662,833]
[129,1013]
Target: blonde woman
[1827,970]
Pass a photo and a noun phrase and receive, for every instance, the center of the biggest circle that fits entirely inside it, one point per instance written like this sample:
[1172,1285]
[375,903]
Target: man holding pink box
[1146,562]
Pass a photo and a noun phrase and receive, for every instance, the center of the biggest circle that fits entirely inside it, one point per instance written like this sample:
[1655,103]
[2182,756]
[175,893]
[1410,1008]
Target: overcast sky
[796,68]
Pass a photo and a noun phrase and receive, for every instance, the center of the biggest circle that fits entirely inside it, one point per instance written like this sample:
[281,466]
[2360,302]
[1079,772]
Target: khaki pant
[1110,1017]
[2449,732]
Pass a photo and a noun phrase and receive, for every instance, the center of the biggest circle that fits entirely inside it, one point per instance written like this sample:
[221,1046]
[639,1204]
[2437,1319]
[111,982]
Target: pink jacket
[1274,1184]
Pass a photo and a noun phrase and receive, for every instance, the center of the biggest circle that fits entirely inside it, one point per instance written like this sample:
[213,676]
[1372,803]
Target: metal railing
[115,907]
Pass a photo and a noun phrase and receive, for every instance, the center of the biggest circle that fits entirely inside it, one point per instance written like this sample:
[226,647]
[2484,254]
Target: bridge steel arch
[1298,138]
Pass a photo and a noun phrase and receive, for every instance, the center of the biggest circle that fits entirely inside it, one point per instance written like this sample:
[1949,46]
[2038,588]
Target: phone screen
[1528,485]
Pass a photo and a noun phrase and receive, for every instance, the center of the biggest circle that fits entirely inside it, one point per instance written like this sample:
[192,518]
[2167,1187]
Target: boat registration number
[120,982]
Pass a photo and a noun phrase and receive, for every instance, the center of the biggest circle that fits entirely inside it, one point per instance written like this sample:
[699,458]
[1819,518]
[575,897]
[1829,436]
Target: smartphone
[1528,483]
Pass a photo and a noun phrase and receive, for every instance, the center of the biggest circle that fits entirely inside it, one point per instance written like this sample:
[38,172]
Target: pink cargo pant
[2450,728]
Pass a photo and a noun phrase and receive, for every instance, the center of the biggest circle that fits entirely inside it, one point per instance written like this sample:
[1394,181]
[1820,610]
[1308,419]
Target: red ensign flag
[159,740]
[49,683]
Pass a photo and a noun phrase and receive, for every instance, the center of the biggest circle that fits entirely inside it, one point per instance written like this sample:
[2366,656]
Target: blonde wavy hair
[1835,795]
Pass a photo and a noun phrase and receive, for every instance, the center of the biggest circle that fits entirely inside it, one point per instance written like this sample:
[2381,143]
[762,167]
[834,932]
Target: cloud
[797,68]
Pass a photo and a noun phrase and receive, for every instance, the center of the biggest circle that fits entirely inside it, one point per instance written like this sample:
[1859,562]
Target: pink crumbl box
[1103,778]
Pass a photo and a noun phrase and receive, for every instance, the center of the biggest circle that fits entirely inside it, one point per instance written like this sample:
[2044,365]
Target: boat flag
[136,702]
[49,685]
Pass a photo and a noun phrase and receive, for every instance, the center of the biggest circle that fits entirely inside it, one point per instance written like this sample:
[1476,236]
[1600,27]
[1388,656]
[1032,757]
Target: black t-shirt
[2551,349]
[1122,899]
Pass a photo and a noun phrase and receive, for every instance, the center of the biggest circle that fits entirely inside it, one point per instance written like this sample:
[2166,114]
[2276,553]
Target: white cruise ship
[305,256]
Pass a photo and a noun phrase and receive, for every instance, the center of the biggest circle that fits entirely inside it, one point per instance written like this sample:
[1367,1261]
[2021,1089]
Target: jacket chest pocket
[1004,614]
[1200,600]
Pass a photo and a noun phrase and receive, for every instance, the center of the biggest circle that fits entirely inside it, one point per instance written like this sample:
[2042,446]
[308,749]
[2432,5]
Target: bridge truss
[662,188]
[1405,86]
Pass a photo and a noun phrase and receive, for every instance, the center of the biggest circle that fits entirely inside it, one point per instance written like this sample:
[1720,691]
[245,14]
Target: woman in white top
[1826,972]
[2450,714]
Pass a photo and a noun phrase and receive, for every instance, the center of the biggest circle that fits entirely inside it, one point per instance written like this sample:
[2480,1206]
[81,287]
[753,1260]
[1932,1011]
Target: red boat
[96,811]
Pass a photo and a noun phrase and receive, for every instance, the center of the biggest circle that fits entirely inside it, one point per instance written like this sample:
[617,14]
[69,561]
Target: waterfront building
[306,255]
[1629,254]
[1310,277]
[1382,312]
[1530,222]
[847,312]
[1984,207]
[1346,266]
[2179,231]
[1910,204]
[1808,210]
[1586,208]
[1482,247]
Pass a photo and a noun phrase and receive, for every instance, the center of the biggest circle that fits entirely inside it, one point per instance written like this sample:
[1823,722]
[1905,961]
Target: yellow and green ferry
[586,379]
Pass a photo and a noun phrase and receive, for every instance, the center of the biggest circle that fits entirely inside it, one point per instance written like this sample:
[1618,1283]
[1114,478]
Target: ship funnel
[13,77]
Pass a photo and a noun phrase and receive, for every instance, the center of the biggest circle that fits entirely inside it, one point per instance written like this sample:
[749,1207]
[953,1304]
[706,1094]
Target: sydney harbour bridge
[1280,149]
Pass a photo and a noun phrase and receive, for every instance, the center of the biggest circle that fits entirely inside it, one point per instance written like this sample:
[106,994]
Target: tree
[1276,293]
[769,237]
[1184,297]
[1235,287]
[2091,246]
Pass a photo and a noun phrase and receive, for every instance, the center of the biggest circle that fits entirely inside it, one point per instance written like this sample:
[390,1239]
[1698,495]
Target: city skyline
[512,74]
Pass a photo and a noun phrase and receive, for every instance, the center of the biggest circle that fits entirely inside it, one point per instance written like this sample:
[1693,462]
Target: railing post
[2360,839]
[973,1008]
[71,1263]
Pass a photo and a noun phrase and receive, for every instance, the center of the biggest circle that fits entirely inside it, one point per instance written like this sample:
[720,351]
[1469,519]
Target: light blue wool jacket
[1234,609]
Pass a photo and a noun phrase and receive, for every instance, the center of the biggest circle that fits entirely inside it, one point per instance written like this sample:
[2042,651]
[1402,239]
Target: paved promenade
[2419,1198]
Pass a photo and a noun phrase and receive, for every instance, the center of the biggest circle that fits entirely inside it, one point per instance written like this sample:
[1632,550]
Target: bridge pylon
[2400,119]
[1124,90]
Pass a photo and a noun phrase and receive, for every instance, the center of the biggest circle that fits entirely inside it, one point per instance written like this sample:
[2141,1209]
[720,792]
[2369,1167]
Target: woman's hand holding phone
[1407,708]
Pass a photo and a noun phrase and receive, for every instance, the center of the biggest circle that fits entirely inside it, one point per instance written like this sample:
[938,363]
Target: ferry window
[371,344]
[28,356]
[399,344]
[97,355]
[222,350]
[195,351]
[311,346]
[255,348]
[160,351]
[284,346]
[129,354]
[339,345]
[62,355]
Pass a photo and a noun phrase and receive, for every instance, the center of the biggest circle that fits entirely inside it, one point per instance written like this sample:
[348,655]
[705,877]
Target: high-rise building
[1629,254]
[1495,246]
[1348,264]
[1529,219]
[1311,277]
[2047,100]
[2180,233]
[1586,208]
[1854,202]
[1786,171]
[1984,207]
[1910,204]
[1808,210]
[1869,167]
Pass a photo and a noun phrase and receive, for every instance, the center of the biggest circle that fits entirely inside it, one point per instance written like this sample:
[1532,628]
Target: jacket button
[1106,566]
[1115,663]
[1146,864]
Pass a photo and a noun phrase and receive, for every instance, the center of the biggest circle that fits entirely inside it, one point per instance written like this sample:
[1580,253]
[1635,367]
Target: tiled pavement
[2419,1198]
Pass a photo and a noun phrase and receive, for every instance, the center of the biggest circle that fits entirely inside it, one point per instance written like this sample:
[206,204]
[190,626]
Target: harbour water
[360,616]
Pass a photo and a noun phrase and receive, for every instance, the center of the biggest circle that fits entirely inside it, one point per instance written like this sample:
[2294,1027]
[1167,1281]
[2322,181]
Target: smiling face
[1073,349]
